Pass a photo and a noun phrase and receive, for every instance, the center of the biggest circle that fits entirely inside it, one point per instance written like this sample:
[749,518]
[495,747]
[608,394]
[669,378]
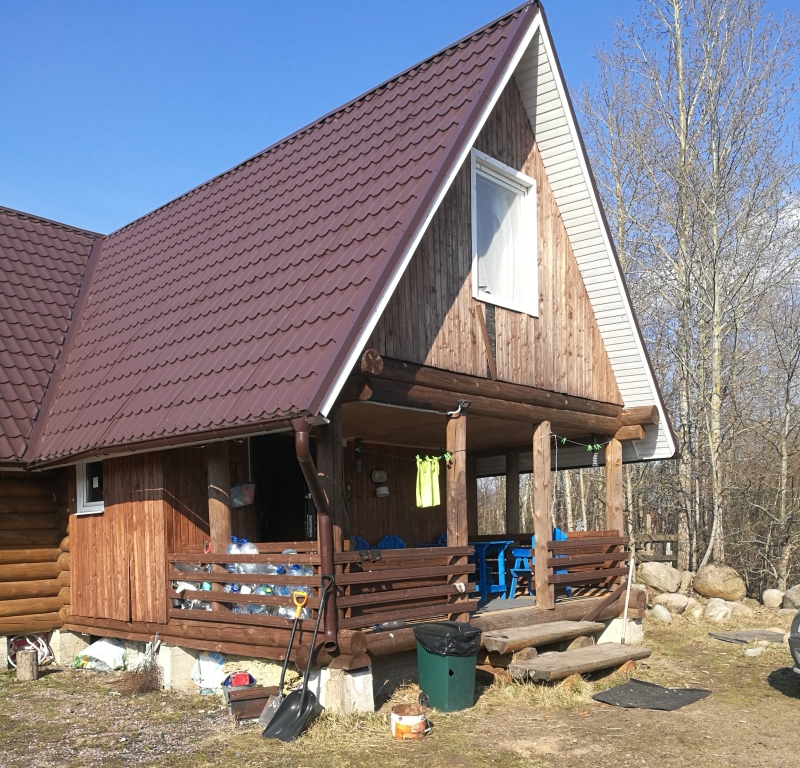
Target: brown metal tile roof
[41,268]
[236,304]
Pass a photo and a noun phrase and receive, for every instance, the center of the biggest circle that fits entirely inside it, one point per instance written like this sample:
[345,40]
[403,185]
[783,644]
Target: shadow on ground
[785,681]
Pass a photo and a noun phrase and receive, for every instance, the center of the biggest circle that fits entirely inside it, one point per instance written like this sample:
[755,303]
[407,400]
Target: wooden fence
[269,554]
[403,584]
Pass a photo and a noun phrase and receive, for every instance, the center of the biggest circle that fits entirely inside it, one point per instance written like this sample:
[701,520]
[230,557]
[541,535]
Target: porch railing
[193,569]
[590,559]
[378,586]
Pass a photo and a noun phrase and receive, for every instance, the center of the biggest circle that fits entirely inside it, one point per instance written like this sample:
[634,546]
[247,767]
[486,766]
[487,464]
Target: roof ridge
[328,115]
[52,222]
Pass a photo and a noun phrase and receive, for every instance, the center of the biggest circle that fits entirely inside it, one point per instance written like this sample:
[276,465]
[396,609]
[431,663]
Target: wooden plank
[579,661]
[197,594]
[441,609]
[587,577]
[29,538]
[250,578]
[302,559]
[569,561]
[542,522]
[571,609]
[456,477]
[401,574]
[565,547]
[406,554]
[517,638]
[615,597]
[399,595]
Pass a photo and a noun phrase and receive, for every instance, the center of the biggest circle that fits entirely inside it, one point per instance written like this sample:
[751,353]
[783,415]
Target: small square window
[90,488]
[504,257]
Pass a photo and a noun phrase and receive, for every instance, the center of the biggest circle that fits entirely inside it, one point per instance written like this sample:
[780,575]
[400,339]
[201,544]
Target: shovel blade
[270,708]
[291,717]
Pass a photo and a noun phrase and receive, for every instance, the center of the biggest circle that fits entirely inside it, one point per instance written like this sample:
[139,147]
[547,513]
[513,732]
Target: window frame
[84,507]
[524,185]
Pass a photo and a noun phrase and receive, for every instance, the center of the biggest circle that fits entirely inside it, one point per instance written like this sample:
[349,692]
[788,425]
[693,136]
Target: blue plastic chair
[391,542]
[442,540]
[524,562]
[359,543]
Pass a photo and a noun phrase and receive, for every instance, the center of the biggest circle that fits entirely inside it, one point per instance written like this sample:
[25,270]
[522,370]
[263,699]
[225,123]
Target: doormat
[637,694]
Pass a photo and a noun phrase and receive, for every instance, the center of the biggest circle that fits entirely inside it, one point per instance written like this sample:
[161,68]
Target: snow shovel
[296,709]
[271,707]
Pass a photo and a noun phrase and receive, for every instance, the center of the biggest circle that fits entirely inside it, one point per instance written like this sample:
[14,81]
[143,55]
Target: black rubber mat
[637,694]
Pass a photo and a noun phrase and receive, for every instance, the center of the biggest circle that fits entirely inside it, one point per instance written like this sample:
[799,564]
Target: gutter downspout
[324,525]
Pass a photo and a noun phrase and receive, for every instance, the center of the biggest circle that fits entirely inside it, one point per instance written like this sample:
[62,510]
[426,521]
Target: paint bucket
[409,721]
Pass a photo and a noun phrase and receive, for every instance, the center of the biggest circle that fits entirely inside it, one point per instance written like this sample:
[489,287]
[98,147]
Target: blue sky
[110,109]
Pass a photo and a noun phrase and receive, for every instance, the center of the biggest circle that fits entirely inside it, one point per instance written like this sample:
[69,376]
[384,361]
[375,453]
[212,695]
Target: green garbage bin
[446,655]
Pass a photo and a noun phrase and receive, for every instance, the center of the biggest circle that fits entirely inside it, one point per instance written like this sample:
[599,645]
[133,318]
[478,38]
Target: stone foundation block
[67,645]
[176,666]
[613,632]
[341,691]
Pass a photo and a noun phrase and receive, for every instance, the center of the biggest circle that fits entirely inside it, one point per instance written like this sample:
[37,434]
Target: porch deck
[408,585]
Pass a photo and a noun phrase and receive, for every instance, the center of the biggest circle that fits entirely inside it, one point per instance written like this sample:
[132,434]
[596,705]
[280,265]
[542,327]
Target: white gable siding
[544,96]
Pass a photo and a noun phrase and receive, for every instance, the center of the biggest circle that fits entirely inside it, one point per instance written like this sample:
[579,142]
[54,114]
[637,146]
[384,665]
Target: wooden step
[536,635]
[557,666]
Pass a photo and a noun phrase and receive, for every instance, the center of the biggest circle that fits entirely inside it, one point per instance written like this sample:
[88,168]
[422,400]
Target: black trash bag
[449,638]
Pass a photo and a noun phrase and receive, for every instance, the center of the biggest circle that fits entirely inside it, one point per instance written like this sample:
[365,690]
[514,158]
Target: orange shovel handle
[300,599]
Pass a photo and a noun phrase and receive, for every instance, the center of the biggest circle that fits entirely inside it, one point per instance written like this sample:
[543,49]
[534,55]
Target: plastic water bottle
[248,548]
[233,549]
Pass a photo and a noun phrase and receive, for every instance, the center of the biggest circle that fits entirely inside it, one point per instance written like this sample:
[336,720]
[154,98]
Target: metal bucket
[409,721]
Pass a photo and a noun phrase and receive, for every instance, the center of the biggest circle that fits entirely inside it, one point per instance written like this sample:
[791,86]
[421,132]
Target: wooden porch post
[330,469]
[472,494]
[614,516]
[542,523]
[457,524]
[219,506]
[513,522]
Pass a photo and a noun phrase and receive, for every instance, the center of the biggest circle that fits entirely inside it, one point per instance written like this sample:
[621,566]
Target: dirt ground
[79,718]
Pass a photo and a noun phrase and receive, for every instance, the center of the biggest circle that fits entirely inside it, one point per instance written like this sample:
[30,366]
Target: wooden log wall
[154,503]
[34,551]
[372,518]
[560,351]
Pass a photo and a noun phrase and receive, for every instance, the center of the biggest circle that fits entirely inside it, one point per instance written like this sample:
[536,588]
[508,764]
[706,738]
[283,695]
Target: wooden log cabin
[425,271]
[41,279]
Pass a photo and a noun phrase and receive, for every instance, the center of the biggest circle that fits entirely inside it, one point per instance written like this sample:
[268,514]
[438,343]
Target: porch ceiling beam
[411,373]
[398,393]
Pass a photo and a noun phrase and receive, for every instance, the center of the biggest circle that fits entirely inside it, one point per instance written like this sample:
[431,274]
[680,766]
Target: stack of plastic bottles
[187,587]
[245,547]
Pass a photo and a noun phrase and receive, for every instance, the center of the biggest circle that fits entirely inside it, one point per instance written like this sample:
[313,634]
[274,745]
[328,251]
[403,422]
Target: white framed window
[90,488]
[504,240]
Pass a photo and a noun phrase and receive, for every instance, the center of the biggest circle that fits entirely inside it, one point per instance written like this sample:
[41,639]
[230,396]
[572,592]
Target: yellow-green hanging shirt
[428,482]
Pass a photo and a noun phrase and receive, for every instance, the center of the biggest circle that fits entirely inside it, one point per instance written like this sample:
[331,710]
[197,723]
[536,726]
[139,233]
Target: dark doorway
[282,501]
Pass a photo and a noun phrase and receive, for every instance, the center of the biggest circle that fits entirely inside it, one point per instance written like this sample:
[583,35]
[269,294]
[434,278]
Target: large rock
[673,602]
[719,581]
[660,613]
[792,598]
[741,610]
[772,598]
[717,610]
[659,576]
[693,609]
